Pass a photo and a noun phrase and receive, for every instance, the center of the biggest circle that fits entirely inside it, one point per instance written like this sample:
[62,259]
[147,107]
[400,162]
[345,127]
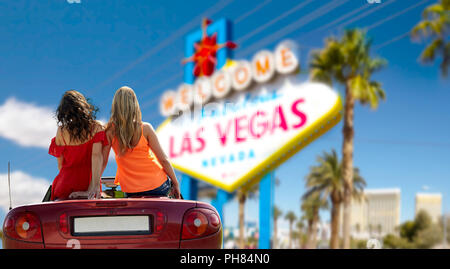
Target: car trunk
[113,223]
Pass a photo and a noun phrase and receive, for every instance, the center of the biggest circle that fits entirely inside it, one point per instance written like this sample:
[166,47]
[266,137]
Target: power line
[163,83]
[293,26]
[286,30]
[236,21]
[396,15]
[338,20]
[392,40]
[181,31]
[271,22]
[343,24]
[398,37]
[365,14]
[258,7]
[289,28]
[245,37]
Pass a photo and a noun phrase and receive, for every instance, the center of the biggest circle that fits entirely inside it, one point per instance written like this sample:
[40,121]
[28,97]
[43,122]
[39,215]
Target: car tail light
[160,220]
[63,223]
[199,222]
[23,226]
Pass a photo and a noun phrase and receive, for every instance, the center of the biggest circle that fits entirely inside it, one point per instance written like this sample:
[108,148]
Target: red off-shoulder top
[76,171]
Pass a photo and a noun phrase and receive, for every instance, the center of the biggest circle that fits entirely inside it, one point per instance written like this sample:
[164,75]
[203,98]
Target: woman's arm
[106,150]
[60,162]
[97,170]
[98,166]
[58,139]
[93,190]
[153,143]
[105,155]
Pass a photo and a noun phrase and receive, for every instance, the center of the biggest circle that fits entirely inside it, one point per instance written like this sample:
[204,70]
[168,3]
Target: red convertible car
[147,222]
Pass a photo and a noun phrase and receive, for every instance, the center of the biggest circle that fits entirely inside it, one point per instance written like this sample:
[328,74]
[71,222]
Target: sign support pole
[219,202]
[189,187]
[266,203]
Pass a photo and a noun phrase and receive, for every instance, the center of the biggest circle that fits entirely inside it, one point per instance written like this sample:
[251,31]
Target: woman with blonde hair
[143,168]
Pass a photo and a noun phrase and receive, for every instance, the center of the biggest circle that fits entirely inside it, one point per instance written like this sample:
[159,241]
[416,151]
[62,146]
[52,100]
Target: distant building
[431,203]
[376,214]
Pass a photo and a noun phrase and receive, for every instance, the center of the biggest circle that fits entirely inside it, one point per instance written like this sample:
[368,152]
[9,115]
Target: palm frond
[430,51]
[433,11]
[423,28]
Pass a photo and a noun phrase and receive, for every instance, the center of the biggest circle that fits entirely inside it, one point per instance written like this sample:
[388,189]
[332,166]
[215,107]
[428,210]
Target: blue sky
[97,46]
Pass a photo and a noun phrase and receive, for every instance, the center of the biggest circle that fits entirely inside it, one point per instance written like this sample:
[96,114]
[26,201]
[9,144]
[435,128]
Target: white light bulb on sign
[263,66]
[221,84]
[202,90]
[167,107]
[286,57]
[241,75]
[185,97]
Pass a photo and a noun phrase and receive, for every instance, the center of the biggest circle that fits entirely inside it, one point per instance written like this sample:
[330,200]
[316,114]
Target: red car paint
[51,224]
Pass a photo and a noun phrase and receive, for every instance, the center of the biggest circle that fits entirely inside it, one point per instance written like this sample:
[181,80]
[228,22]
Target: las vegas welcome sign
[230,128]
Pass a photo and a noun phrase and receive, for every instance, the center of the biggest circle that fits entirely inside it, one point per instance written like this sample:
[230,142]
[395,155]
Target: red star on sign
[205,52]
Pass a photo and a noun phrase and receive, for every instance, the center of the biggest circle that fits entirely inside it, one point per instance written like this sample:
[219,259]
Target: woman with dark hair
[78,146]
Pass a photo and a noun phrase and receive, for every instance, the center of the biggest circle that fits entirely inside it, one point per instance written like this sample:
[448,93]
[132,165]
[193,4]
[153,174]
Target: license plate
[111,225]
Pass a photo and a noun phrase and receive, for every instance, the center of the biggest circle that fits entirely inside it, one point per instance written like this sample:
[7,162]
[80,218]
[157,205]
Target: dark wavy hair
[76,115]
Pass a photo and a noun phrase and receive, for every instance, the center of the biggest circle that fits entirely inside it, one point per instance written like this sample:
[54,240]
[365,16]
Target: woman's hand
[175,191]
[94,194]
[93,191]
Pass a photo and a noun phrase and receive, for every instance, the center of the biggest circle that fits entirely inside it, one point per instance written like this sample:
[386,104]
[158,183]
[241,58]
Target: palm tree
[276,214]
[242,195]
[348,62]
[326,178]
[290,216]
[300,226]
[435,25]
[311,204]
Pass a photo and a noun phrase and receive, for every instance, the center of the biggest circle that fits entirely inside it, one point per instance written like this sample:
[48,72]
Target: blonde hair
[125,118]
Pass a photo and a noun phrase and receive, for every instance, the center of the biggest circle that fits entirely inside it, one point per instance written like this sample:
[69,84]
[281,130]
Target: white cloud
[27,124]
[25,189]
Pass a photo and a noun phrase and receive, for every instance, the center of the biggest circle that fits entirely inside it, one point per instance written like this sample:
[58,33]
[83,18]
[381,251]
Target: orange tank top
[138,168]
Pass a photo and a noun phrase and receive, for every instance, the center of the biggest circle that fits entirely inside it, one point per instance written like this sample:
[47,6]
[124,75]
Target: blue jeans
[163,190]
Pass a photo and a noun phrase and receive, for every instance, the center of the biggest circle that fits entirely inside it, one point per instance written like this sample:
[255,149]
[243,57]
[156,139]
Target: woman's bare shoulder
[109,130]
[100,126]
[58,136]
[147,128]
